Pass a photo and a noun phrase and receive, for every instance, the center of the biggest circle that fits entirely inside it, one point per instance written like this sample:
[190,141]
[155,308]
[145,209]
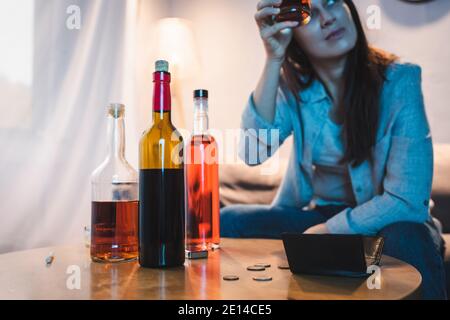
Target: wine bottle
[161,183]
[202,176]
[114,219]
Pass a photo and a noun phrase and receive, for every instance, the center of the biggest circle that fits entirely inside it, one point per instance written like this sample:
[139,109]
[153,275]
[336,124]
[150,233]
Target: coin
[230,278]
[49,260]
[283,266]
[255,268]
[265,265]
[262,278]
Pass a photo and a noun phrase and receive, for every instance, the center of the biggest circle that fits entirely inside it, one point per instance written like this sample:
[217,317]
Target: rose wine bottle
[161,183]
[114,219]
[202,180]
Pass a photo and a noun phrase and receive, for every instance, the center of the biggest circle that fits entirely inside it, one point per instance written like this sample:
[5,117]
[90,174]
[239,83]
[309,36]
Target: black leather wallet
[329,254]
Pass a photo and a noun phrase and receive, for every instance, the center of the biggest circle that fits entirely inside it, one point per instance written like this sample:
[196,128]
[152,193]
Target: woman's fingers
[267,3]
[272,30]
[262,15]
[275,45]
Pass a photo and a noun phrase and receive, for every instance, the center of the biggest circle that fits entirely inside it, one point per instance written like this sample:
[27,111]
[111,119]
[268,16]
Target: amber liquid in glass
[114,231]
[295,10]
[202,218]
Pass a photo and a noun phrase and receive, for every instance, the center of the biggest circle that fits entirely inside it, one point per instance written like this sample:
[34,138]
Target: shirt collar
[314,93]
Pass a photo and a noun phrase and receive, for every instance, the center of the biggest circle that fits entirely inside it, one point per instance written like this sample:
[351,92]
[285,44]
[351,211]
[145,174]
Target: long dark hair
[364,76]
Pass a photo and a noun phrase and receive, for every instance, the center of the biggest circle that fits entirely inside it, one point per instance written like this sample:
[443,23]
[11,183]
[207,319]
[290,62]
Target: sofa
[242,184]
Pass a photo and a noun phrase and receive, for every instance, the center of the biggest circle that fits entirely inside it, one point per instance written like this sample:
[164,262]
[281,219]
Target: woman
[362,157]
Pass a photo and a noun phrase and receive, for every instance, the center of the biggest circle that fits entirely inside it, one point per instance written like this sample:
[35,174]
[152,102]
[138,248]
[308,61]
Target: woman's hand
[276,37]
[317,229]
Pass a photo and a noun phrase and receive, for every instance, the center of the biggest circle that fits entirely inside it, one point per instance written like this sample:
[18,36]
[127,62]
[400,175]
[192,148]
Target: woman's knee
[405,230]
[406,236]
[227,221]
[236,219]
[414,244]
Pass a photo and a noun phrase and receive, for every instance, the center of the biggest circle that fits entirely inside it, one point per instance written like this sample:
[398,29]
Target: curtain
[50,149]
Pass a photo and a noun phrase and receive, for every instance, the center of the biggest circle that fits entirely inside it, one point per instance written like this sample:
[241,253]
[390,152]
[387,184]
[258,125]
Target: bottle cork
[162,66]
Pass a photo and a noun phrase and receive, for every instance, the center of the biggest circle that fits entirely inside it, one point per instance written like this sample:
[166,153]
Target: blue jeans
[417,244]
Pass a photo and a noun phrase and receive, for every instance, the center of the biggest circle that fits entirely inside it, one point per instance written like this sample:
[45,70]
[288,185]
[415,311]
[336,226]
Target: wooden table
[24,275]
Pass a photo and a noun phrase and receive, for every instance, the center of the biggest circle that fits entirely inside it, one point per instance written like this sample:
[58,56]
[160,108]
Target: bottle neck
[201,120]
[162,117]
[162,101]
[116,138]
[161,92]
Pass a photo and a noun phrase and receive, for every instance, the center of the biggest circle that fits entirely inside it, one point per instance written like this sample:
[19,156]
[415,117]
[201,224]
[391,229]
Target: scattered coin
[255,268]
[230,278]
[283,266]
[265,265]
[49,259]
[262,278]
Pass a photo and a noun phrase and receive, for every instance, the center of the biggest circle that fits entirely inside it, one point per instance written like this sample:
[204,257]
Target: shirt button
[358,189]
[426,203]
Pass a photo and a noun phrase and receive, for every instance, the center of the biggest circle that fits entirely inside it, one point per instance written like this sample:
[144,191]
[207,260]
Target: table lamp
[175,42]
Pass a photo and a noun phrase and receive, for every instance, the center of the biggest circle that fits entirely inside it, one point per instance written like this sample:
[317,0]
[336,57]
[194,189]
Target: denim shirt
[394,186]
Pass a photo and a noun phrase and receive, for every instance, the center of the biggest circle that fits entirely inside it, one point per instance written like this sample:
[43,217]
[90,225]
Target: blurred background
[63,61]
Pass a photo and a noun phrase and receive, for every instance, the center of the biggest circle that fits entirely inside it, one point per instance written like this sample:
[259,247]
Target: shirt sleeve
[260,139]
[409,170]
